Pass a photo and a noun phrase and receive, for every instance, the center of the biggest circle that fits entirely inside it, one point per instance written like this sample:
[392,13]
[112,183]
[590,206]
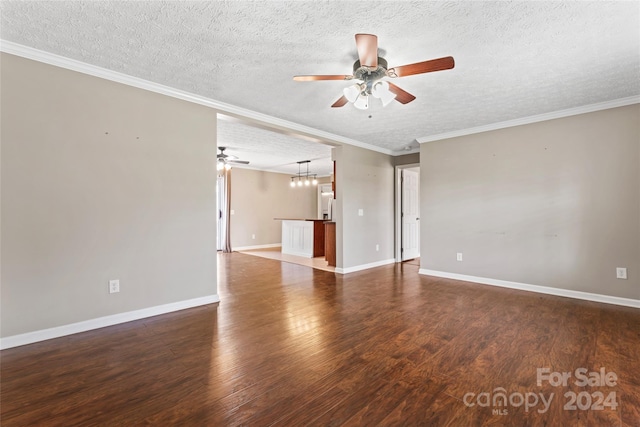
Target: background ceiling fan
[370,69]
[226,160]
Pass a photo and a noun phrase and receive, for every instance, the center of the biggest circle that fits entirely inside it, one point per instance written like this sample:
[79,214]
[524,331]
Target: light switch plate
[360,212]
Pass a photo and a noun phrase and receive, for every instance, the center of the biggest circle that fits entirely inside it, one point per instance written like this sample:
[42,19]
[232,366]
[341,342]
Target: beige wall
[257,197]
[100,181]
[554,204]
[406,159]
[364,180]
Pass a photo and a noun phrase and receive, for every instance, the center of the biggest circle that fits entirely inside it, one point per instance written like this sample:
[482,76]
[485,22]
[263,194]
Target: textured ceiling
[513,59]
[271,151]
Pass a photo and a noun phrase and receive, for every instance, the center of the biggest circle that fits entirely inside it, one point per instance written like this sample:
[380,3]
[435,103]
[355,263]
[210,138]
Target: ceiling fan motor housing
[369,75]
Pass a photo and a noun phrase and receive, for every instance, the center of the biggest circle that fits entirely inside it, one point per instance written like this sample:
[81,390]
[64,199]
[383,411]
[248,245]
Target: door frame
[219,213]
[398,207]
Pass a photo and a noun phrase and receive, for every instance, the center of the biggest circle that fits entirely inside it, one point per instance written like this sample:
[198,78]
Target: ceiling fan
[370,69]
[225,160]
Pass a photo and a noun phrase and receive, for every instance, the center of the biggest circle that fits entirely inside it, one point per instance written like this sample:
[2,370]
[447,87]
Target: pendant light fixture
[304,178]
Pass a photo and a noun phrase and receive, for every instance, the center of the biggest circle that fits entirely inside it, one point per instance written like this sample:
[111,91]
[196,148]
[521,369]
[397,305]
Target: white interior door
[410,205]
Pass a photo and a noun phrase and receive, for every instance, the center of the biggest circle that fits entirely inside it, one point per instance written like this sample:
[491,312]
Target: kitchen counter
[300,219]
[303,236]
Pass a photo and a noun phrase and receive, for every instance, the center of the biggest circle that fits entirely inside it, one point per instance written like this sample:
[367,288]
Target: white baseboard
[250,248]
[607,299]
[298,254]
[101,322]
[365,266]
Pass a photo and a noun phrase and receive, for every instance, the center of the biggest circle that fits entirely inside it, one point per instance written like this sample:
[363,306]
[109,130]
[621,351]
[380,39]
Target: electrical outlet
[459,256]
[253,236]
[114,286]
[360,212]
[233,212]
[621,273]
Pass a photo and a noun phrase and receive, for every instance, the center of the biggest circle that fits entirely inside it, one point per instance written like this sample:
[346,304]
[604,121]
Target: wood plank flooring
[293,346]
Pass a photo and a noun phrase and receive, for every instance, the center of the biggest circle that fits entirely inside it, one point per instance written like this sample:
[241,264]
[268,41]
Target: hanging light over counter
[304,178]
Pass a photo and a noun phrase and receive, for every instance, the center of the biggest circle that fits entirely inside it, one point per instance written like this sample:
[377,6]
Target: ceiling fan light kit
[381,90]
[362,102]
[303,178]
[222,165]
[370,69]
[352,92]
[224,161]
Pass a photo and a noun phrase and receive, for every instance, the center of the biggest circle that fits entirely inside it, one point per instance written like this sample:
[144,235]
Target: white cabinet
[297,238]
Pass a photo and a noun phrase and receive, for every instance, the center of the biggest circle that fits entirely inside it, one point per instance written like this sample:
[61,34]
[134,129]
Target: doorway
[407,212]
[219,206]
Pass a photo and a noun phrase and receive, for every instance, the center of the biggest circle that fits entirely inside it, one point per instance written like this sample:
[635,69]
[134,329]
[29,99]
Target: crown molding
[534,119]
[289,174]
[404,152]
[232,110]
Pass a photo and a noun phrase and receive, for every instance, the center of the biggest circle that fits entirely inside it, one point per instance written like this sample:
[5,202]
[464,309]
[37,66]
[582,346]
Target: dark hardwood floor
[292,346]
